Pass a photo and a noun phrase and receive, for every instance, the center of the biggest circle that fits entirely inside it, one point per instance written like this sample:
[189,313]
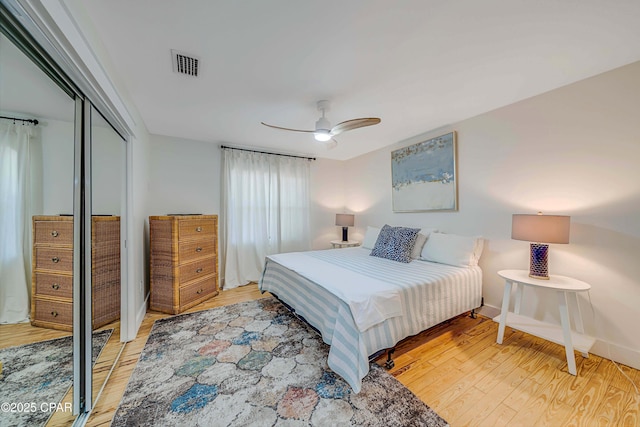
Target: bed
[362,304]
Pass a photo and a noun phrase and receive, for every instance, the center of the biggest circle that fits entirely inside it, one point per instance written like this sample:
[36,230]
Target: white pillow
[452,249]
[370,237]
[420,241]
[478,251]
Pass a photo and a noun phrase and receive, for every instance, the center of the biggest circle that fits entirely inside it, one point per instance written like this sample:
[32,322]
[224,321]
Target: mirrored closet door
[107,200]
[36,240]
[62,199]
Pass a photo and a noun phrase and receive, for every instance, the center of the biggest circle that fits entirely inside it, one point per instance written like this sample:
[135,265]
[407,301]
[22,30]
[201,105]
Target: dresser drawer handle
[199,270]
[54,233]
[55,286]
[54,313]
[198,229]
[199,291]
[55,260]
[198,249]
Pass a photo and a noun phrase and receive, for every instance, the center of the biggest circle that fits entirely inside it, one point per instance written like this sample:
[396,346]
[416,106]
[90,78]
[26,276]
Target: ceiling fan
[324,132]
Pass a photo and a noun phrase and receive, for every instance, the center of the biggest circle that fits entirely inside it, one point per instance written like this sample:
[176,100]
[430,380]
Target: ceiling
[417,64]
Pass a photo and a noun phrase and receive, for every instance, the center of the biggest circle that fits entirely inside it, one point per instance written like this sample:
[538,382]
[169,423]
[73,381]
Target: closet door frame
[82,287]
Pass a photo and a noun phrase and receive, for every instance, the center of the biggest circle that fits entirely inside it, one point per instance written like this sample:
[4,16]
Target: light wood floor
[458,370]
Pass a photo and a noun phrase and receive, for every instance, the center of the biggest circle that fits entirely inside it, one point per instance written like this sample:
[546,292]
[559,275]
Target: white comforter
[371,301]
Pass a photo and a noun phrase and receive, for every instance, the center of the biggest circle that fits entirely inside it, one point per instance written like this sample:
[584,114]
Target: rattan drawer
[197,228]
[54,232]
[54,285]
[52,274]
[196,249]
[197,269]
[55,259]
[53,311]
[183,261]
[201,289]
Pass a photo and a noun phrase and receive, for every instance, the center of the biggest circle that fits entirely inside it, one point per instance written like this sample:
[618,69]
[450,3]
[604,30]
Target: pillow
[421,239]
[452,249]
[395,243]
[477,252]
[370,237]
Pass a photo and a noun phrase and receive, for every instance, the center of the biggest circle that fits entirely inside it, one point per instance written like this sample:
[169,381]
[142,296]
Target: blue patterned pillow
[395,243]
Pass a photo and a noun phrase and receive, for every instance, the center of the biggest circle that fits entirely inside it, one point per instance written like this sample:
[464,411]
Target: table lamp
[345,221]
[540,230]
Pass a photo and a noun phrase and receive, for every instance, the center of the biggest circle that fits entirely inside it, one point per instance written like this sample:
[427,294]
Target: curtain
[15,222]
[265,200]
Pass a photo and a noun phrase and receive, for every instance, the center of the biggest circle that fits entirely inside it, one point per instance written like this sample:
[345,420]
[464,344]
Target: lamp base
[539,266]
[345,237]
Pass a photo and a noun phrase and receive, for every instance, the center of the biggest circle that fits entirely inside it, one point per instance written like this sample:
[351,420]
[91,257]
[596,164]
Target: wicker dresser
[184,261]
[52,273]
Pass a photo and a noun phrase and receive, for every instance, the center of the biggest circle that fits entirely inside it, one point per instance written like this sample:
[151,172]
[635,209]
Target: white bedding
[371,301]
[429,293]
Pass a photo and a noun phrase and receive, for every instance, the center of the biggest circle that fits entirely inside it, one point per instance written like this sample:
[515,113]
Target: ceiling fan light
[322,135]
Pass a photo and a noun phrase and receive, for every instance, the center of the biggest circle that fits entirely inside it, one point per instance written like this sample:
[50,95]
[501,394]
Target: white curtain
[265,200]
[15,222]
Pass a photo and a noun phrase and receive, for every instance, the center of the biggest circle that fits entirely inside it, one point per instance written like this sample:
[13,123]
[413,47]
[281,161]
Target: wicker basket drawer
[197,290]
[55,285]
[54,311]
[196,249]
[56,259]
[183,261]
[197,269]
[54,232]
[197,228]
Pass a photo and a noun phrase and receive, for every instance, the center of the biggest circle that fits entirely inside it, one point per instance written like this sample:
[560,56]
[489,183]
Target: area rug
[255,364]
[37,375]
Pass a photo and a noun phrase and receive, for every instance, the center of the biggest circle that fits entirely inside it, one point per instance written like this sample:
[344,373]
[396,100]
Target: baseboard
[489,311]
[142,311]
[618,353]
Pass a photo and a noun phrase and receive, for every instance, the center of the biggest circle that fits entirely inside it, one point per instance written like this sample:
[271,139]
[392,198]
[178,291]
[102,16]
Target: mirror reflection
[36,239]
[36,243]
[107,151]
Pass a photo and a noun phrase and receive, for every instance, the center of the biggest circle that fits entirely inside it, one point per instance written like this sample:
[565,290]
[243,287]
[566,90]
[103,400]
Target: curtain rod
[34,121]
[225,147]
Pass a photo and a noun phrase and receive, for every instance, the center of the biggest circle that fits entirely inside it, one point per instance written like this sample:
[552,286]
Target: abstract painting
[423,176]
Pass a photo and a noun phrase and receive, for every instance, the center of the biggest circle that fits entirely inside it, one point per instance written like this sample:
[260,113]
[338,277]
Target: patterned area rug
[255,364]
[37,375]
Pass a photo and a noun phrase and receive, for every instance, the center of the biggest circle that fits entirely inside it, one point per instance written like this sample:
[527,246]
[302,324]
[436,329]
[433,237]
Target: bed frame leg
[390,363]
[473,314]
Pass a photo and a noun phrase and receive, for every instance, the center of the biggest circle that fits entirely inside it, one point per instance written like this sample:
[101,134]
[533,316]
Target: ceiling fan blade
[354,124]
[293,130]
[331,144]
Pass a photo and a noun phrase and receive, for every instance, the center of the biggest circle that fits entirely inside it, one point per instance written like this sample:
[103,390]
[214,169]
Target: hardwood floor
[458,370]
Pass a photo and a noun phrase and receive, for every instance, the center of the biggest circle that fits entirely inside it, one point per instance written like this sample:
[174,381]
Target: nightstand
[342,244]
[564,287]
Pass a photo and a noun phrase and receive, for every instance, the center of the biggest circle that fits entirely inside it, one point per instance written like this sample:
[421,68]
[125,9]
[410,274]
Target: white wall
[573,151]
[184,176]
[107,171]
[56,139]
[327,199]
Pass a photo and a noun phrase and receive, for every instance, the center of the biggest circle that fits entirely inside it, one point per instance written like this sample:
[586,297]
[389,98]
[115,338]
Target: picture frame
[424,176]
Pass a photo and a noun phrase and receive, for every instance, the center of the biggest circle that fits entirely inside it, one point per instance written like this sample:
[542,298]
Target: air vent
[185,63]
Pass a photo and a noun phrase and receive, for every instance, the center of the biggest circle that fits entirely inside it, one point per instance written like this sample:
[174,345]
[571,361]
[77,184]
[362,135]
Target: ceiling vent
[185,63]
